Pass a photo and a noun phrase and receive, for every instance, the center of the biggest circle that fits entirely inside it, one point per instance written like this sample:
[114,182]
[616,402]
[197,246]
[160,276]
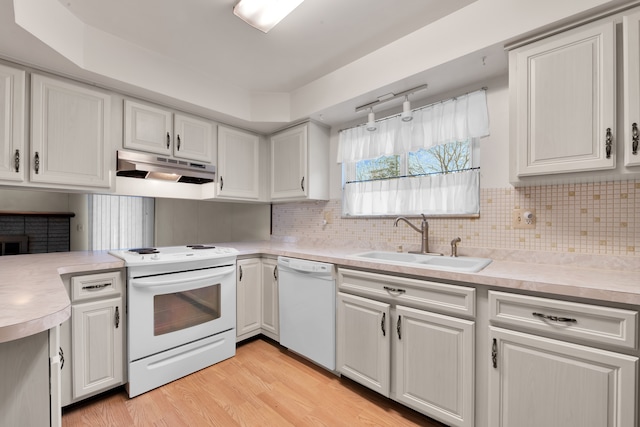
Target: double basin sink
[435,262]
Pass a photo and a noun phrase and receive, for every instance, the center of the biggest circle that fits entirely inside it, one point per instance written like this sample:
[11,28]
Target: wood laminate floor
[263,385]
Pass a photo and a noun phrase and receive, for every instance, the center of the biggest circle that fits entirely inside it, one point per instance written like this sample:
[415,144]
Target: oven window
[181,310]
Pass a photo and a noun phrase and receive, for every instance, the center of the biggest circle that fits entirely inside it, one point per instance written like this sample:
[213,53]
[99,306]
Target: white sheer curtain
[464,118]
[443,194]
[120,222]
[457,119]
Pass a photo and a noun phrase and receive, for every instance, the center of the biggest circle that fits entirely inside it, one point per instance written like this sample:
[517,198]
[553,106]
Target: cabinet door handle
[634,139]
[16,160]
[240,270]
[36,163]
[100,286]
[275,272]
[608,143]
[394,290]
[302,183]
[178,139]
[494,353]
[398,328]
[117,317]
[168,140]
[555,318]
[221,183]
[382,324]
[61,354]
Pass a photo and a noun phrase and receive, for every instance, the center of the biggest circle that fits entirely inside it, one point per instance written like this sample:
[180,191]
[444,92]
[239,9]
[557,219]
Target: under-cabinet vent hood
[139,165]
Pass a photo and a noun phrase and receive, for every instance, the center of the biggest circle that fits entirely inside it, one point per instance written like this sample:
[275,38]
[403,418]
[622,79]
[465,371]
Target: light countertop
[32,295]
[33,298]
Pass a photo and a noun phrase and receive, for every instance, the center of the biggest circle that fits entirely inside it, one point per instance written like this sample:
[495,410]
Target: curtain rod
[419,108]
[414,176]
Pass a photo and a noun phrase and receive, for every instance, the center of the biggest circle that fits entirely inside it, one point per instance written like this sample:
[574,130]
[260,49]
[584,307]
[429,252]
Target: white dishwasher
[307,297]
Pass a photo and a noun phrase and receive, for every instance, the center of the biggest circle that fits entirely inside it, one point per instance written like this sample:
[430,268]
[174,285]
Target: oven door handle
[171,279]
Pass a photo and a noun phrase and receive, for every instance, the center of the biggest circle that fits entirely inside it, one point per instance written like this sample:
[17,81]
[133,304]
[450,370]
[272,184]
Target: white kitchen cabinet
[269,322]
[239,170]
[24,385]
[92,341]
[434,365]
[562,100]
[387,340]
[300,163]
[70,134]
[536,381]
[364,342]
[631,92]
[248,298]
[12,124]
[157,130]
[97,346]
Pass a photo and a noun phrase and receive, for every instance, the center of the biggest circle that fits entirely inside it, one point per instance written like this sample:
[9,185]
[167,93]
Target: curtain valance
[456,119]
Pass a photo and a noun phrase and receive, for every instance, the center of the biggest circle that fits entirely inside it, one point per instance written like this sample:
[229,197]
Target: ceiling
[318,37]
[321,62]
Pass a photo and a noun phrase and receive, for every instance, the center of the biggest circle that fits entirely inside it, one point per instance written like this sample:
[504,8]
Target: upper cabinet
[157,130]
[300,163]
[12,112]
[239,171]
[631,92]
[562,98]
[70,134]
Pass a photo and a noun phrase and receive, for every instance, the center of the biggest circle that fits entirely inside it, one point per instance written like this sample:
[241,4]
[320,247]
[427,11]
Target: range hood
[140,165]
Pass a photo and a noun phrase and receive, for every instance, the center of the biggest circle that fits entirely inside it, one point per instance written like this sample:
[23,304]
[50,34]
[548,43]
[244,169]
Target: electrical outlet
[524,218]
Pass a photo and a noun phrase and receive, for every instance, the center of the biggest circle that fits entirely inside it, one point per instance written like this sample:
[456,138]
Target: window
[120,222]
[429,165]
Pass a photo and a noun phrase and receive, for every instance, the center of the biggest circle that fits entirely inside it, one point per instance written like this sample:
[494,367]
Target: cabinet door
[147,128]
[238,164]
[249,301]
[537,381]
[631,92]
[97,345]
[563,97]
[434,365]
[70,134]
[363,341]
[12,143]
[289,164]
[194,138]
[270,310]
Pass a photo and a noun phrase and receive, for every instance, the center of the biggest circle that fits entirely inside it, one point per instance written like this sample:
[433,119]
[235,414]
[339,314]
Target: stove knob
[155,256]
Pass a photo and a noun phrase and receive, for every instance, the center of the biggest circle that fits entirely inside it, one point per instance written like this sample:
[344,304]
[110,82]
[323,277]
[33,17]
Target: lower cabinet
[257,298]
[537,381]
[421,359]
[92,342]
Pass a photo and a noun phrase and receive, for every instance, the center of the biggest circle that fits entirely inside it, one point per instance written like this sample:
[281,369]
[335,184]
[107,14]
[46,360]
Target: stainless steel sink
[435,262]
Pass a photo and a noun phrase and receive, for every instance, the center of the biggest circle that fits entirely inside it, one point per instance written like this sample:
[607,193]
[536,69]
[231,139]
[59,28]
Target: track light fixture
[407,116]
[371,122]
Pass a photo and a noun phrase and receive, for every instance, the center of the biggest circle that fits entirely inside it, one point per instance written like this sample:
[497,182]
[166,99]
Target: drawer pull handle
[100,286]
[396,290]
[555,318]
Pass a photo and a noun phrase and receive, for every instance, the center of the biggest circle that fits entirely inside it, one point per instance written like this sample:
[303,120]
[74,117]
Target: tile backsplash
[592,218]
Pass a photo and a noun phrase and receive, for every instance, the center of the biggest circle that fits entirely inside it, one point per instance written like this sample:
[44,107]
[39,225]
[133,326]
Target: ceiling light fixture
[264,14]
[390,96]
[407,116]
[371,122]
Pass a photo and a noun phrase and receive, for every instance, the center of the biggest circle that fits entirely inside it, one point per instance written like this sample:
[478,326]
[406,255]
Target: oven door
[169,310]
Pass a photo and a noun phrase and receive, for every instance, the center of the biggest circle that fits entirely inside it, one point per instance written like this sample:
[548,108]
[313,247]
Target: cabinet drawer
[442,297]
[100,285]
[597,324]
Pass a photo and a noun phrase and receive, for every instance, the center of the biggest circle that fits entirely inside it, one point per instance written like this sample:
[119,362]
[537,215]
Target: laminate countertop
[32,295]
[33,298]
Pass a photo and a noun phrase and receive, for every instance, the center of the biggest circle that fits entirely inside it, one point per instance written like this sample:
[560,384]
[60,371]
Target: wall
[589,218]
[181,222]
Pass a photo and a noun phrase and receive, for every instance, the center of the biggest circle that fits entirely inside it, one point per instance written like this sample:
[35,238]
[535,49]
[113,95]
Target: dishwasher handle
[305,266]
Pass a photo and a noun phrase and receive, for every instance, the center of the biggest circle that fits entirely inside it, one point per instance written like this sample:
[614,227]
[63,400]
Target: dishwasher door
[307,298]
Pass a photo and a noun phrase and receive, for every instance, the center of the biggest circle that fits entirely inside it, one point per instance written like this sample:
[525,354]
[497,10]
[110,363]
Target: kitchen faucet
[423,230]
